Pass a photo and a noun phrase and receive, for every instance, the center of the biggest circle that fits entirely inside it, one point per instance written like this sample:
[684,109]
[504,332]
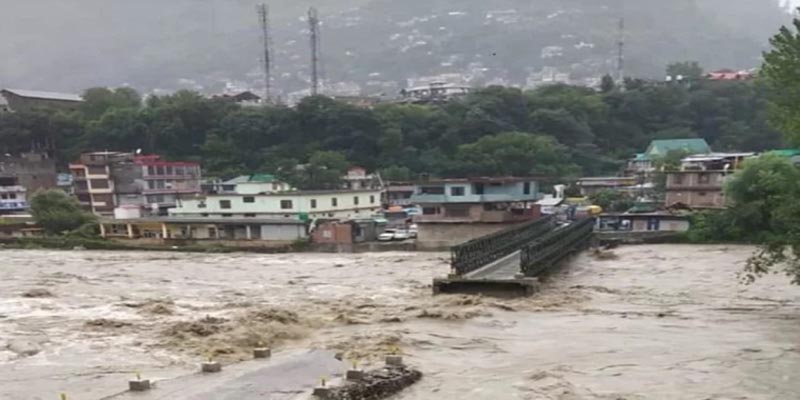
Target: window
[204,215]
[227,215]
[372,199]
[313,203]
[96,170]
[334,202]
[677,179]
[430,210]
[431,190]
[225,204]
[99,184]
[249,199]
[355,200]
[286,204]
[212,232]
[457,191]
[180,171]
[526,189]
[201,204]
[702,194]
[479,188]
[274,186]
[160,170]
[703,178]
[169,170]
[457,211]
[151,170]
[249,215]
[12,196]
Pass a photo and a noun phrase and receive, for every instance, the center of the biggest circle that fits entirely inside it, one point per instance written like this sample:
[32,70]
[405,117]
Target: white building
[12,199]
[294,205]
[435,92]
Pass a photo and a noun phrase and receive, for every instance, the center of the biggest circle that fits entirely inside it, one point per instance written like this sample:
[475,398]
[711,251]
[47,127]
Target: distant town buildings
[245,98]
[19,100]
[731,75]
[434,92]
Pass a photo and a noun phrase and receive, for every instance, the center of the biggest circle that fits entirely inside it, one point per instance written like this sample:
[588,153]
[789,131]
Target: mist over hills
[370,46]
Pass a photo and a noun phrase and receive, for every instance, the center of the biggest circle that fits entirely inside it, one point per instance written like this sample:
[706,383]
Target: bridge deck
[505,268]
[286,376]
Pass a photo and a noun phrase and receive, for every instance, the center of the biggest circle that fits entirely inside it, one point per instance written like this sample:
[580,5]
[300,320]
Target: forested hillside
[557,130]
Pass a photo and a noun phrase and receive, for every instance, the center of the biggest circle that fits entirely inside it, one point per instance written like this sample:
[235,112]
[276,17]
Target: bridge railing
[477,253]
[551,248]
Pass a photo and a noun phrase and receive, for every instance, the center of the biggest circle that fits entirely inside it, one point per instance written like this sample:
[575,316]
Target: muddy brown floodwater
[656,322]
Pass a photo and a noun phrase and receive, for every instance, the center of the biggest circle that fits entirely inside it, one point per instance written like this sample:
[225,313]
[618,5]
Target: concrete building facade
[293,205]
[457,210]
[104,181]
[701,180]
[33,171]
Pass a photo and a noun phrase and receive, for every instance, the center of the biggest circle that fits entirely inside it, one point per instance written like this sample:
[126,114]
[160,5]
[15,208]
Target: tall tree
[781,72]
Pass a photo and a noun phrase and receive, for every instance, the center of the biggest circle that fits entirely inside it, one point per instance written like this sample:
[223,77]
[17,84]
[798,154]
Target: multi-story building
[12,196]
[165,182]
[105,181]
[457,210]
[293,205]
[95,179]
[701,180]
[33,171]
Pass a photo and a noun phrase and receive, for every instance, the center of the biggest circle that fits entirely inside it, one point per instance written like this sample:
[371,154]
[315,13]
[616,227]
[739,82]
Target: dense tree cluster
[556,131]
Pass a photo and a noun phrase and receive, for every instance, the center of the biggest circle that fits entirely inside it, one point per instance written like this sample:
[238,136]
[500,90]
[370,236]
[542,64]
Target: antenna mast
[263,16]
[621,54]
[313,22]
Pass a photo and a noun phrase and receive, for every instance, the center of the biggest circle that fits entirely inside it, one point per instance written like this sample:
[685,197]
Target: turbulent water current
[653,322]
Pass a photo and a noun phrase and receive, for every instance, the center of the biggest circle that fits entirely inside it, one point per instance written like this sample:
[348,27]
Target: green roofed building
[660,148]
[643,162]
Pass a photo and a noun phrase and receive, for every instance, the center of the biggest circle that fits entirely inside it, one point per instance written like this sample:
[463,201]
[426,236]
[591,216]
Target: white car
[401,235]
[413,231]
[387,235]
[393,234]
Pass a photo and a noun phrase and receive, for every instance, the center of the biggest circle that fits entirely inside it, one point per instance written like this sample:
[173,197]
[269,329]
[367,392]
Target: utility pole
[313,23]
[263,16]
[621,55]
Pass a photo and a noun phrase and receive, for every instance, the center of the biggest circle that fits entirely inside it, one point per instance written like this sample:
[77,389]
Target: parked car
[387,235]
[401,235]
[413,231]
[393,234]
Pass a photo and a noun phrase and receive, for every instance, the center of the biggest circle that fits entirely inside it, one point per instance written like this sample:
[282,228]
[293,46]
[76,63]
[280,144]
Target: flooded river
[657,322]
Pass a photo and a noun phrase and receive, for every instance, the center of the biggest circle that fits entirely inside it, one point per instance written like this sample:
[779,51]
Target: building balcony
[184,177]
[710,187]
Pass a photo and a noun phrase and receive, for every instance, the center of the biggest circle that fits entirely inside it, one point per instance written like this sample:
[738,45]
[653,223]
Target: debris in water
[603,255]
[106,323]
[37,293]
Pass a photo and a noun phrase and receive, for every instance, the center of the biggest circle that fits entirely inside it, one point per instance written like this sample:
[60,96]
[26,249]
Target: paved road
[504,268]
[284,377]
